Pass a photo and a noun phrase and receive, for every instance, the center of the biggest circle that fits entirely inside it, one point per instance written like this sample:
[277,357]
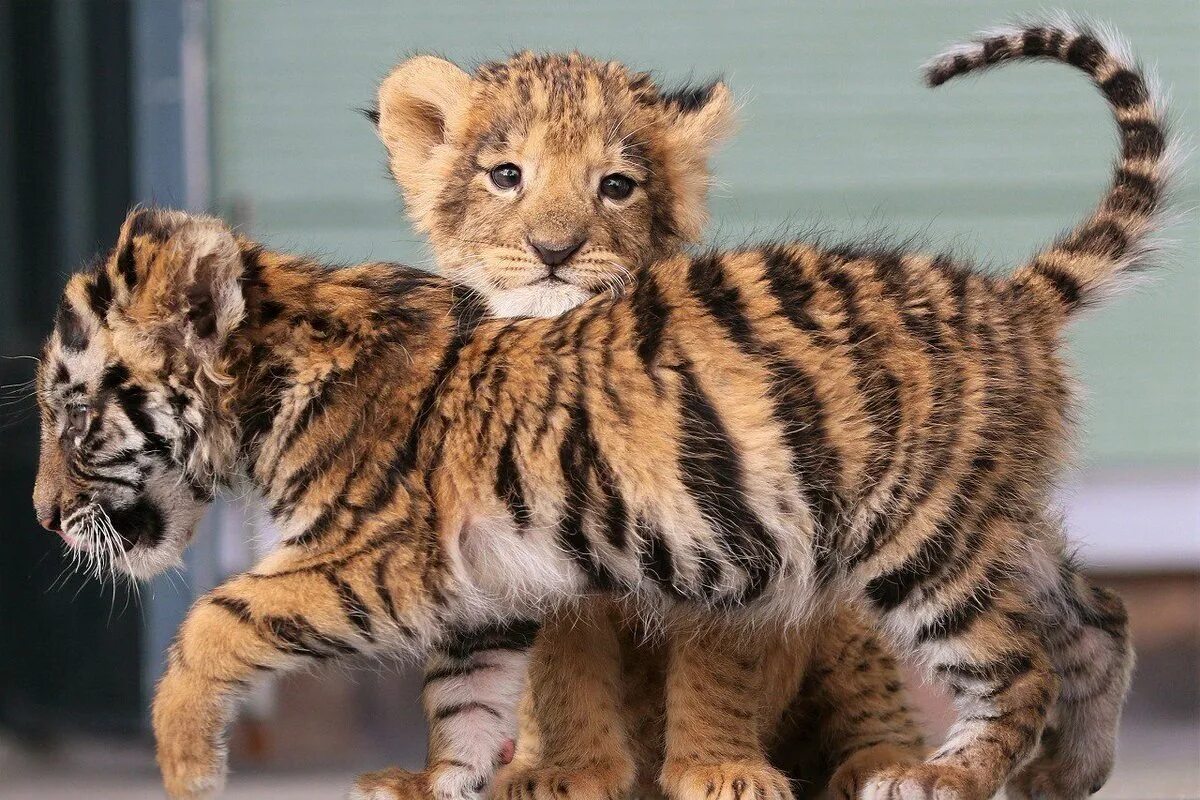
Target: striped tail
[1115,241]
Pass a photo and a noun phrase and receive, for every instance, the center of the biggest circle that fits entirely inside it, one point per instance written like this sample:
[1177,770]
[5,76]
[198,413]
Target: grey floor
[1155,762]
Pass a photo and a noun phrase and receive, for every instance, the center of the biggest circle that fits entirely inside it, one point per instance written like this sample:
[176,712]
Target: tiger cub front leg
[719,699]
[573,739]
[473,685]
[249,626]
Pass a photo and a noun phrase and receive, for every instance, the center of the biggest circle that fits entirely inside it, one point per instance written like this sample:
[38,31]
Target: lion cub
[542,181]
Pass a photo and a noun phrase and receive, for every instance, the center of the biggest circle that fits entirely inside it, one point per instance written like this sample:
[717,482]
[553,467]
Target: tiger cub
[543,181]
[785,427]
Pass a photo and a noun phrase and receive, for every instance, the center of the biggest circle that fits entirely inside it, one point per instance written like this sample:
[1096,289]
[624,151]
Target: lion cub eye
[505,176]
[77,419]
[617,186]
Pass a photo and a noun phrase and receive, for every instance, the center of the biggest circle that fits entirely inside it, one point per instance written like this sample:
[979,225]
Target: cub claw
[856,771]
[391,784]
[736,780]
[552,783]
[922,782]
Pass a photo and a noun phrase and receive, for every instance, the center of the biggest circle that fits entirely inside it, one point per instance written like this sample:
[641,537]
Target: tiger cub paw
[923,782]
[595,782]
[848,781]
[391,784]
[193,766]
[731,780]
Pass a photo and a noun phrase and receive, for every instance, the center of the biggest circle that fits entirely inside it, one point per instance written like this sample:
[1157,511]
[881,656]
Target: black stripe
[515,635]
[95,477]
[463,708]
[1004,668]
[650,319]
[793,291]
[796,407]
[616,514]
[877,385]
[958,619]
[272,381]
[457,671]
[127,266]
[302,478]
[1102,238]
[1125,89]
[1033,43]
[318,527]
[234,605]
[100,294]
[1133,193]
[1086,53]
[577,458]
[508,483]
[132,398]
[70,327]
[298,636]
[1142,138]
[352,605]
[114,375]
[1065,286]
[995,49]
[655,558]
[317,403]
[889,590]
[405,457]
[712,474]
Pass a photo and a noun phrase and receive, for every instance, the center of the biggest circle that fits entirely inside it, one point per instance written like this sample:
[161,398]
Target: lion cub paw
[854,773]
[1050,779]
[391,784]
[922,782]
[732,780]
[595,782]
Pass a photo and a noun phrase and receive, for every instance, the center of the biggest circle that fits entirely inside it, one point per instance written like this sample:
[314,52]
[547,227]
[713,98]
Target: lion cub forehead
[568,88]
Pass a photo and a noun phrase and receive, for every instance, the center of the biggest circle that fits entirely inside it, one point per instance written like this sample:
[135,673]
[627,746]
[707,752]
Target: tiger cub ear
[418,103]
[179,275]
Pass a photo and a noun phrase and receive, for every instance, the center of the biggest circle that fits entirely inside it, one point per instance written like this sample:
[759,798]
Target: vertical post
[170,121]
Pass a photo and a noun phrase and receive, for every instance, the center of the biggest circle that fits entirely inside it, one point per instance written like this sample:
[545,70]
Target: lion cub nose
[553,254]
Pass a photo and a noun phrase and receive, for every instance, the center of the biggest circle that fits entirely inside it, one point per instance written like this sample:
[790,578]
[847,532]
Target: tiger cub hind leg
[975,618]
[572,741]
[726,687]
[1091,651]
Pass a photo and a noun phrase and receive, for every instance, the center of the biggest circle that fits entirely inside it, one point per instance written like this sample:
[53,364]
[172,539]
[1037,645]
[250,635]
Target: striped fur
[565,121]
[783,427]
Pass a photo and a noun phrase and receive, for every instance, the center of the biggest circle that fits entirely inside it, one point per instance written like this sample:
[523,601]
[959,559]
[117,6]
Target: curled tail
[1114,241]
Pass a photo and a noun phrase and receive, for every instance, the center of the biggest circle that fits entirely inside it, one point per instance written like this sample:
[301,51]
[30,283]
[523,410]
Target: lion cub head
[546,179]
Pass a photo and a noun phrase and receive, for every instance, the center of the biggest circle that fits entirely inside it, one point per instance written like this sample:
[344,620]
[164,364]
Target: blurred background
[247,108]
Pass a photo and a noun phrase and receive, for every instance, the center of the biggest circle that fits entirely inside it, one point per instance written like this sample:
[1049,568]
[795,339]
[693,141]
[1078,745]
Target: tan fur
[741,437]
[725,689]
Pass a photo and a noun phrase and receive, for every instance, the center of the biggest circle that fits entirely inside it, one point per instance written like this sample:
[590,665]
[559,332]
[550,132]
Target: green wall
[837,130]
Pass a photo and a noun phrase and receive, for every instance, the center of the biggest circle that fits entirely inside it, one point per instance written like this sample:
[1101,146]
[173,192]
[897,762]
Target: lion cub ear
[698,120]
[417,103]
[702,117]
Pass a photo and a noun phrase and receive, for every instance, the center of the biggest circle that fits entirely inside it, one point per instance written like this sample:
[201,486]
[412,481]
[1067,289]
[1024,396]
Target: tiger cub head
[546,179]
[131,391]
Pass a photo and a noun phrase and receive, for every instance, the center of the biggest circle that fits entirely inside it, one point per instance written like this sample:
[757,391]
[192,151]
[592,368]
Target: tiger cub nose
[51,520]
[553,254]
